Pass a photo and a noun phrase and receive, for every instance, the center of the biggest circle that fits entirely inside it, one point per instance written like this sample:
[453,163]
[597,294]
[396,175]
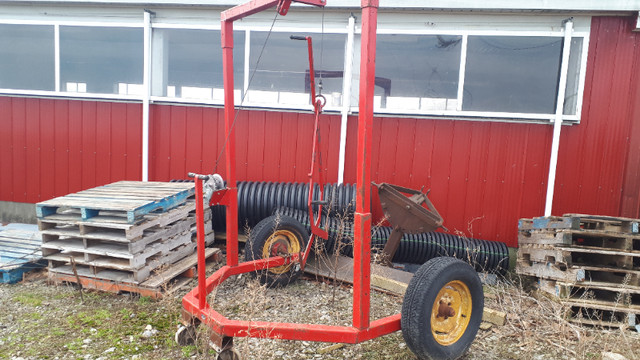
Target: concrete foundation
[15,212]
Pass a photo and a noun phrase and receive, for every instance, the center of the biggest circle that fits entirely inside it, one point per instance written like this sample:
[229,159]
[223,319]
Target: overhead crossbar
[255,6]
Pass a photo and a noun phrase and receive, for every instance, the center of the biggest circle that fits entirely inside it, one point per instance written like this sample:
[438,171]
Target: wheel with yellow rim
[276,235]
[442,309]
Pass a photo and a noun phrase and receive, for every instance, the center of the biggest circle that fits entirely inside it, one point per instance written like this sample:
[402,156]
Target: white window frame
[412,23]
[488,115]
[59,88]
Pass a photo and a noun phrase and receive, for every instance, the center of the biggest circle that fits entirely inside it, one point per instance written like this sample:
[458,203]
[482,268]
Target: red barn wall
[270,145]
[484,176]
[51,147]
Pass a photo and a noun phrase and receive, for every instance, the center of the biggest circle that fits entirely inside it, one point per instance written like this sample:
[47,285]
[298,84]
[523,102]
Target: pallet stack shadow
[127,232]
[591,263]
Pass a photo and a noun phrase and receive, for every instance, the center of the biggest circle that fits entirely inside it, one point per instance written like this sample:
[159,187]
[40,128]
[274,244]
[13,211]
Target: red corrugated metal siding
[593,156]
[50,148]
[484,176]
[271,146]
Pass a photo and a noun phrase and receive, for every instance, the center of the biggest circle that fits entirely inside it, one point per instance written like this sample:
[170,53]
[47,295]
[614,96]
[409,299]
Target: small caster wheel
[228,354]
[186,335]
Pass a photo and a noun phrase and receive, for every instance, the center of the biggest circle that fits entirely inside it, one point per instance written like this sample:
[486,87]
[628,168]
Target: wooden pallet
[582,221]
[590,263]
[124,199]
[109,245]
[549,271]
[19,254]
[572,256]
[162,282]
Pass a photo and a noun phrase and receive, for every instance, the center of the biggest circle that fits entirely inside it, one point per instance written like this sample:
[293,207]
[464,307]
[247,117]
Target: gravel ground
[45,321]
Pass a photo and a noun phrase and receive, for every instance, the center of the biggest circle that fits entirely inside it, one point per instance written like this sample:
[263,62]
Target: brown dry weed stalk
[538,326]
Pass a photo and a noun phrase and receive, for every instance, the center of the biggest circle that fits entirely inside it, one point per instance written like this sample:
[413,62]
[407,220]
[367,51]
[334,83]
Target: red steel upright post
[202,275]
[230,151]
[362,219]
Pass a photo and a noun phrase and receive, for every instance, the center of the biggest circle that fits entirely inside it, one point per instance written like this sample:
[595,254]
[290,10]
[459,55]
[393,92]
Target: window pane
[573,77]
[188,63]
[418,71]
[282,74]
[27,57]
[512,74]
[101,60]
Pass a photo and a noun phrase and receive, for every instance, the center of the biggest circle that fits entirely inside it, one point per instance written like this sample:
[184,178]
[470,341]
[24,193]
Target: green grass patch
[29,299]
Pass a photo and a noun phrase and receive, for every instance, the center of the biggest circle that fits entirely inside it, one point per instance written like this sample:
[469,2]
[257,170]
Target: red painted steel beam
[230,150]
[289,331]
[202,266]
[255,6]
[362,220]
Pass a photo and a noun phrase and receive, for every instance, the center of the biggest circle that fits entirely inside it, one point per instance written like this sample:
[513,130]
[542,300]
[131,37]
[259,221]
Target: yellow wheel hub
[281,243]
[451,313]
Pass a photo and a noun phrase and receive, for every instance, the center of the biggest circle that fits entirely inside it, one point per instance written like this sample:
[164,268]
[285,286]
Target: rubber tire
[418,303]
[259,236]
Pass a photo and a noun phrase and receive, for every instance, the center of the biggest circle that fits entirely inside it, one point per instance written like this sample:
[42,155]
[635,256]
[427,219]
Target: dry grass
[537,328]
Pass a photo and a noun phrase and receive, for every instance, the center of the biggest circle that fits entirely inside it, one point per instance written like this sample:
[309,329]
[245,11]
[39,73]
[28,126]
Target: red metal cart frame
[195,303]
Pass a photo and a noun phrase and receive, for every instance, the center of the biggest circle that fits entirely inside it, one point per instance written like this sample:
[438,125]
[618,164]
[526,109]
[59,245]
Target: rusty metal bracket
[406,214]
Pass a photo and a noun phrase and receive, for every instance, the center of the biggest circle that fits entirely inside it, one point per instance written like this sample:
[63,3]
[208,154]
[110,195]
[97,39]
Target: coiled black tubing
[483,255]
[258,200]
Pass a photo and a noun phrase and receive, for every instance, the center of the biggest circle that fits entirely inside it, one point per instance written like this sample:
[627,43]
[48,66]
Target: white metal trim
[346,95]
[70,95]
[161,25]
[583,77]
[56,51]
[146,81]
[247,59]
[463,70]
[557,126]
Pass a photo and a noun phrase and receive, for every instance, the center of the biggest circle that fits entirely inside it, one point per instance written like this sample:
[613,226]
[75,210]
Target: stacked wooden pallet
[119,233]
[19,251]
[592,263]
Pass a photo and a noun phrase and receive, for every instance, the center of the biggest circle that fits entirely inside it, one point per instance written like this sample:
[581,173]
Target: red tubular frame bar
[195,303]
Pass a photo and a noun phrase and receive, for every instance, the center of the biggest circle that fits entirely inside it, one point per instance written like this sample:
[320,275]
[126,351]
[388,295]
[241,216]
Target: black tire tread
[413,314]
[258,236]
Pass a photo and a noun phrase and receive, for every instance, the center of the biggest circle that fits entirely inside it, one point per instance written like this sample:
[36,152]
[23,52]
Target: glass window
[189,63]
[417,71]
[573,77]
[103,60]
[517,74]
[282,74]
[27,57]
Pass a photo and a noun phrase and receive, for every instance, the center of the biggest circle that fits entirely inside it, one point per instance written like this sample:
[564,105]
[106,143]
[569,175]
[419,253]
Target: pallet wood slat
[590,263]
[133,199]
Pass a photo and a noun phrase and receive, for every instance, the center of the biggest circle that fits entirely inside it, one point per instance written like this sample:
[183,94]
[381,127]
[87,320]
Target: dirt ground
[46,321]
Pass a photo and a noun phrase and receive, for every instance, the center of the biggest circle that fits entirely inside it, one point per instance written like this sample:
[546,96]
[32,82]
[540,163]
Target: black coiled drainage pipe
[483,255]
[258,200]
